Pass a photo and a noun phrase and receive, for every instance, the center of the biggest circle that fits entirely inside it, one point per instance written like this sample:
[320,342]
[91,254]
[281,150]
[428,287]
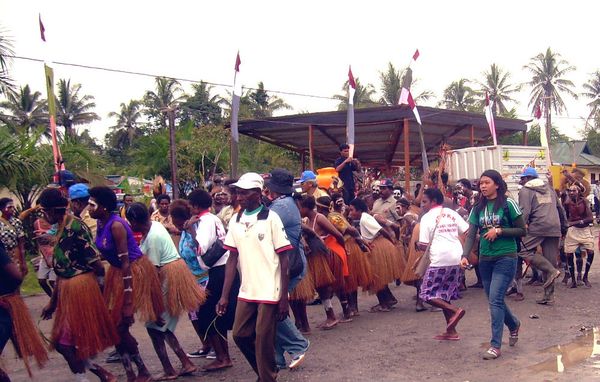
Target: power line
[121,71]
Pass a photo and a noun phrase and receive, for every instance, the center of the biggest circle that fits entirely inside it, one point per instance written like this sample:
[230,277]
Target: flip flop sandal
[330,326]
[447,337]
[460,313]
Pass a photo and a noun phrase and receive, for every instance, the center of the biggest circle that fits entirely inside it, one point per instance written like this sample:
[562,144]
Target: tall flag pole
[406,98]
[49,74]
[350,117]
[543,137]
[235,109]
[489,116]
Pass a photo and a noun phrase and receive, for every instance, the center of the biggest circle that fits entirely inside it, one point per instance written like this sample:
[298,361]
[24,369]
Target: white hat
[249,181]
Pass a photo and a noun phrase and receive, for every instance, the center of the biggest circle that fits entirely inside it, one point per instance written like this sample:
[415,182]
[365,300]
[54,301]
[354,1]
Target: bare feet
[330,324]
[164,377]
[345,319]
[187,369]
[145,378]
[217,365]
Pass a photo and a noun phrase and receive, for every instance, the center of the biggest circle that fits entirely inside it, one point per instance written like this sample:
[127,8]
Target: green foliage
[459,96]
[166,97]
[6,49]
[592,92]
[73,108]
[496,82]
[27,112]
[533,137]
[201,108]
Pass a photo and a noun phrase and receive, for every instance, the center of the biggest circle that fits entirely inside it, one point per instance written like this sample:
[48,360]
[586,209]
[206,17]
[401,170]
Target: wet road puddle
[585,347]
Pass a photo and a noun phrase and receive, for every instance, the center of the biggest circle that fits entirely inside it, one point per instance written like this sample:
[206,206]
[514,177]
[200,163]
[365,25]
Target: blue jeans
[288,337]
[496,276]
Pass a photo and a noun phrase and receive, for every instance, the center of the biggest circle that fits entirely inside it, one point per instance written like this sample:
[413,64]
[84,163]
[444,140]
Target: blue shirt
[287,210]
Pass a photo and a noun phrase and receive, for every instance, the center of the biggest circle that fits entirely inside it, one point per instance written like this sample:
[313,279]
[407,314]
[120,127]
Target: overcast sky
[301,46]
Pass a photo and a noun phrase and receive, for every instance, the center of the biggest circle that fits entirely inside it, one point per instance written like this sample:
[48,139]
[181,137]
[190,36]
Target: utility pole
[172,150]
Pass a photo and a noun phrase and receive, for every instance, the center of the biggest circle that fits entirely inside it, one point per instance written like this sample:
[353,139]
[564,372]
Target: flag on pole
[49,75]
[42,29]
[350,116]
[406,98]
[489,116]
[235,109]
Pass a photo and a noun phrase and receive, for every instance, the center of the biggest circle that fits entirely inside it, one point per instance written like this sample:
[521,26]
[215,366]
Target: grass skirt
[183,292]
[305,290]
[409,276]
[25,335]
[399,260]
[319,270]
[147,295]
[382,262]
[82,318]
[336,264]
[358,266]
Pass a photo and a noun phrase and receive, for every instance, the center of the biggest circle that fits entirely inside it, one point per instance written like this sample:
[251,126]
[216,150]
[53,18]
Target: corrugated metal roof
[378,132]
[575,151]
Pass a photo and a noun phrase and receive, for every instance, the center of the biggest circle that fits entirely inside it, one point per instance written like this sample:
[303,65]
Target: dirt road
[398,346]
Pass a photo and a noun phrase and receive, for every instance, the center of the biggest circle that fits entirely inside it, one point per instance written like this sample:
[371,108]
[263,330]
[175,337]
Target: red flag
[42,29]
[237,62]
[538,112]
[416,55]
[351,81]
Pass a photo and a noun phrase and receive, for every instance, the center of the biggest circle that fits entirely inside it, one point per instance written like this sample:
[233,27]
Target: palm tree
[6,49]
[459,96]
[496,82]
[363,96]
[548,70]
[127,127]
[163,105]
[391,86]
[592,91]
[27,111]
[201,107]
[73,108]
[264,105]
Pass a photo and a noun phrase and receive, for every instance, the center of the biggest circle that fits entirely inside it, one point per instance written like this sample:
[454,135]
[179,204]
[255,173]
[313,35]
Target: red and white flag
[489,116]
[350,115]
[42,29]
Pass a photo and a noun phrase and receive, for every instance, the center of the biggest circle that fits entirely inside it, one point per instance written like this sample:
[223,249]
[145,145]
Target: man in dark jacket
[539,204]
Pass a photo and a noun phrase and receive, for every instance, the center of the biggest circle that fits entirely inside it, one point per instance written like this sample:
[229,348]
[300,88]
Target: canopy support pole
[406,156]
[311,153]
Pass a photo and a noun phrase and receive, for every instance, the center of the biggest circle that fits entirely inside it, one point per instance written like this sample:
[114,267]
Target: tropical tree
[73,108]
[163,106]
[6,50]
[264,105]
[548,82]
[459,96]
[27,111]
[592,92]
[126,128]
[496,83]
[363,96]
[202,108]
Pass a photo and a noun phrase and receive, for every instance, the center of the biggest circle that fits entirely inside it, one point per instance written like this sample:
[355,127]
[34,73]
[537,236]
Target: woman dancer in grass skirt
[181,293]
[132,283]
[82,326]
[381,256]
[15,319]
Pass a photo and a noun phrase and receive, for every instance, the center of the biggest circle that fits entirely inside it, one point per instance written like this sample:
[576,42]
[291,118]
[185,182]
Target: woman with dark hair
[381,258]
[439,238]
[77,296]
[499,222]
[132,284]
[12,234]
[180,291]
[206,228]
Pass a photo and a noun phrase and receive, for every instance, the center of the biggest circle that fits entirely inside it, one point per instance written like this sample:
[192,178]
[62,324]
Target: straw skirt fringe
[183,292]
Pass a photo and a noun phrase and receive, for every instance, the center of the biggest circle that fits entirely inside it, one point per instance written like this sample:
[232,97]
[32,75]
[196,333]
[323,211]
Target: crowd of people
[241,254]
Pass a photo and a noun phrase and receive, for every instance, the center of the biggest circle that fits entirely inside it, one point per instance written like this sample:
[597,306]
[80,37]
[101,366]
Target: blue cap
[78,191]
[387,182]
[307,175]
[529,171]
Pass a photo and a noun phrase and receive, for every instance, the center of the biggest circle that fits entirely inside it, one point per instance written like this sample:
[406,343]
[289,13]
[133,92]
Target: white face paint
[397,194]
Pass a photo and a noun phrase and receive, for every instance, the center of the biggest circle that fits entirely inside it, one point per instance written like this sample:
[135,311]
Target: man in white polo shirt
[259,249]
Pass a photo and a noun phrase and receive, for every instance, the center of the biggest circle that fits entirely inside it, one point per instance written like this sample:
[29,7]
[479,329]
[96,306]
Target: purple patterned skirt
[441,282]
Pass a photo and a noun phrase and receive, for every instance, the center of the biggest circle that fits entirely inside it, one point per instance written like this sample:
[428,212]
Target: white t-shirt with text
[446,248]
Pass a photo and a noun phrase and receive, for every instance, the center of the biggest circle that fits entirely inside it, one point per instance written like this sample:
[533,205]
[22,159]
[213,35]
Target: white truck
[509,161]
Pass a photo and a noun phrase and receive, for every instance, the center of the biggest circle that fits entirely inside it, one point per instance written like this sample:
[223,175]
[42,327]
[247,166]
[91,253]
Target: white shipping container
[509,161]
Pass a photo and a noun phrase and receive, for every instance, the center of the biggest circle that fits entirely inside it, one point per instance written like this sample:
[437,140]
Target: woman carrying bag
[499,222]
[439,238]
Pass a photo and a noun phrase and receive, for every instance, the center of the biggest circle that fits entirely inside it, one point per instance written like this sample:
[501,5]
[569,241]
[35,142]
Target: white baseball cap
[249,181]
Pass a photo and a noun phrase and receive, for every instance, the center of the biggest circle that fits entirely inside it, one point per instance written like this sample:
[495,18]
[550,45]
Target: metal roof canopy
[378,132]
